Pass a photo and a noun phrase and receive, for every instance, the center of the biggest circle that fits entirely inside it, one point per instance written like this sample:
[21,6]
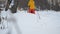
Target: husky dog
[7,18]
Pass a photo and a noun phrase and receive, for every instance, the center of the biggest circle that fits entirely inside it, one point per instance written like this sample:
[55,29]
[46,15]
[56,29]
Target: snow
[48,23]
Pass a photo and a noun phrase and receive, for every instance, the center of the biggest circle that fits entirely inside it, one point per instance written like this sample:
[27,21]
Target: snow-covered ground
[43,22]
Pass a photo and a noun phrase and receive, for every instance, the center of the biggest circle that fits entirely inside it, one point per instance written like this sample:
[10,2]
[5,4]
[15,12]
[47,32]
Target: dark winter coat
[14,7]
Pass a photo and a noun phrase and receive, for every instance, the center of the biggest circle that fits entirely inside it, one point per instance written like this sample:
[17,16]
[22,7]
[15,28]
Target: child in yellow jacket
[31,5]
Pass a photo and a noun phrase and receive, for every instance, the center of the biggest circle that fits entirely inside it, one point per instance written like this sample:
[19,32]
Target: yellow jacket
[31,4]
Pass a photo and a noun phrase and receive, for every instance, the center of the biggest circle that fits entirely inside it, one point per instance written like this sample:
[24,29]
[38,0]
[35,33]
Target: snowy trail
[49,22]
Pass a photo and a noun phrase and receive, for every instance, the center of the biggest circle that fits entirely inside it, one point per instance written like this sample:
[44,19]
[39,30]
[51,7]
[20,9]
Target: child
[31,5]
